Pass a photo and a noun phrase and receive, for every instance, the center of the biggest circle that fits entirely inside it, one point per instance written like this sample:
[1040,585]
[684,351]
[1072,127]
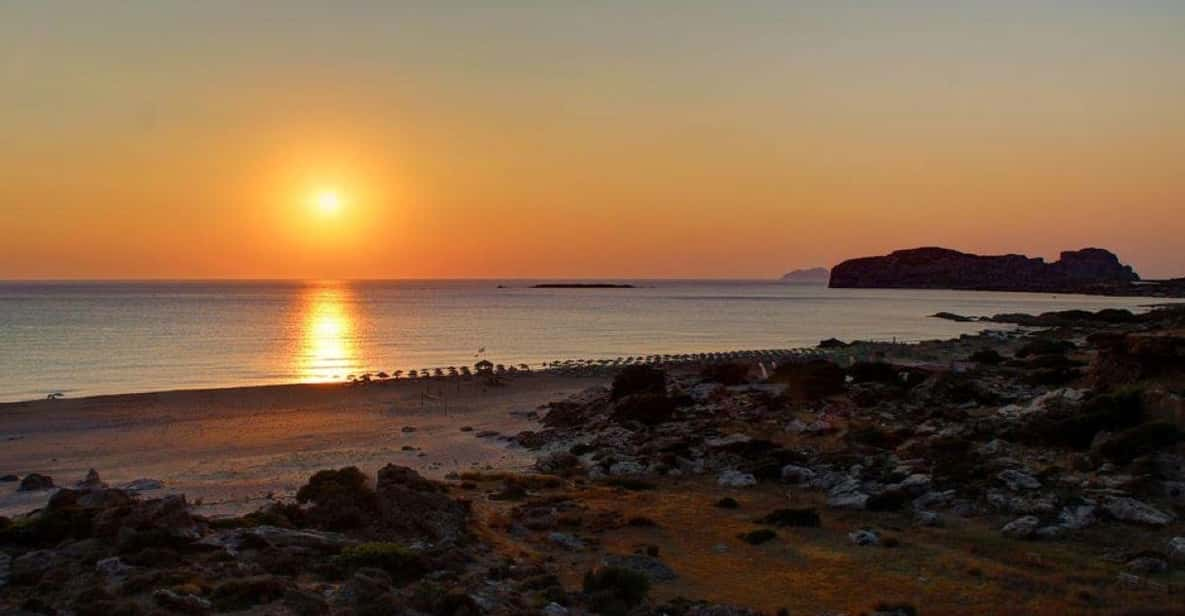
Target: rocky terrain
[1090,270]
[1041,469]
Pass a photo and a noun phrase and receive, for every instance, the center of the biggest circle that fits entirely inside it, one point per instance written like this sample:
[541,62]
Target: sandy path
[230,448]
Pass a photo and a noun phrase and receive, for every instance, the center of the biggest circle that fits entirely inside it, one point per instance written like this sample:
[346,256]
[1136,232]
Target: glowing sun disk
[328,202]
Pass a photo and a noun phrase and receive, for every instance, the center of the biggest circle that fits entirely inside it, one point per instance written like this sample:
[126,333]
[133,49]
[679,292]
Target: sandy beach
[228,449]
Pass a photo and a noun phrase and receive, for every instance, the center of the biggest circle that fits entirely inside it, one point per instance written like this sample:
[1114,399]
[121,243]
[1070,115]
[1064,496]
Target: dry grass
[964,568]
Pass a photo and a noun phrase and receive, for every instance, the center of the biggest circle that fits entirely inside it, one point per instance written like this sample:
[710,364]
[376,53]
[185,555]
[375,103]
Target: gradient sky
[582,139]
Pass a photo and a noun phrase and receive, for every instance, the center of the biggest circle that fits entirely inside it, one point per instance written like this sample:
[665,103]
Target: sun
[328,202]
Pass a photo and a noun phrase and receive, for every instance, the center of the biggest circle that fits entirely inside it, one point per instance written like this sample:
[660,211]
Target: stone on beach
[736,479]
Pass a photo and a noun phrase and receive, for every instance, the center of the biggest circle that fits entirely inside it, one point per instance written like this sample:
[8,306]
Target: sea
[108,337]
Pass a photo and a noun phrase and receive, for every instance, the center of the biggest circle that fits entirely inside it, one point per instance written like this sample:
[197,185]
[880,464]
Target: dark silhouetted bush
[615,590]
[341,499]
[639,379]
[807,517]
[732,373]
[986,356]
[648,408]
[1143,439]
[810,380]
[758,537]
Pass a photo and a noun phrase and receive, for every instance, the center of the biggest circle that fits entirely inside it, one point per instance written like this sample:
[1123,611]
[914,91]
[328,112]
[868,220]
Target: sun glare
[328,202]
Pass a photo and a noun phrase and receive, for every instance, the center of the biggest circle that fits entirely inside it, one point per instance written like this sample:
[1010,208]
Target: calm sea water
[83,338]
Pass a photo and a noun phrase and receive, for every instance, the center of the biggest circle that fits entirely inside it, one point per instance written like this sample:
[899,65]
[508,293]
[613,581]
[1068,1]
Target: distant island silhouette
[813,274]
[1091,271]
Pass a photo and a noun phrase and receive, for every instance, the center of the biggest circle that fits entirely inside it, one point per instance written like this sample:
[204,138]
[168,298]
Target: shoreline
[233,447]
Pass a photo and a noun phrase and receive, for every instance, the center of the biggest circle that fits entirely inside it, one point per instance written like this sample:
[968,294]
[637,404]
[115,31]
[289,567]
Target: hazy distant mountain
[814,274]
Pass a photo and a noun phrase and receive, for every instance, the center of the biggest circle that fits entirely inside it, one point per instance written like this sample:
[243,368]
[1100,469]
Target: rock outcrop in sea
[1090,270]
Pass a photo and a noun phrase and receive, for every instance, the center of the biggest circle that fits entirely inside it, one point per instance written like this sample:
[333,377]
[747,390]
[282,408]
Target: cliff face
[1089,270]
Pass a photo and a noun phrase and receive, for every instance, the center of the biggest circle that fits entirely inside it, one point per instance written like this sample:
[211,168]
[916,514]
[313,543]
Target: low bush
[393,558]
[806,517]
[638,379]
[758,537]
[615,590]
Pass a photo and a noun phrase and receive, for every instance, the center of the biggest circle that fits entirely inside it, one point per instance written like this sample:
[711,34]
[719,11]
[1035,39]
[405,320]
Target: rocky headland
[1040,468]
[1088,271]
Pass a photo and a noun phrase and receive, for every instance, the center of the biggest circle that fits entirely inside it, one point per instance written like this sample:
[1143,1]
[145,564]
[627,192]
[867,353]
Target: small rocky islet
[1040,468]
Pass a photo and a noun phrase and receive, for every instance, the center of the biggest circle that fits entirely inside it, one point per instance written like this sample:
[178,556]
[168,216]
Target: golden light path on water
[328,351]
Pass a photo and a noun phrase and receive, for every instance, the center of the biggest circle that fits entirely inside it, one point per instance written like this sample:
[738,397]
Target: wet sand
[229,449]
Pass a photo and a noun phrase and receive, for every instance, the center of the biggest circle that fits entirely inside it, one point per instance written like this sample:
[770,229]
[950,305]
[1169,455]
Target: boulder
[1077,517]
[864,537]
[1176,550]
[34,482]
[180,602]
[1021,528]
[566,541]
[234,540]
[735,479]
[1017,481]
[113,569]
[927,518]
[559,463]
[794,473]
[92,481]
[1128,509]
[1026,503]
[142,485]
[848,494]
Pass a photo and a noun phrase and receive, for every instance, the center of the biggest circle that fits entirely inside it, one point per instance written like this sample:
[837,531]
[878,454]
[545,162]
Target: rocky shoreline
[1040,468]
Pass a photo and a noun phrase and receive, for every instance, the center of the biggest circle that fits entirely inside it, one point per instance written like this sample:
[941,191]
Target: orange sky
[170,140]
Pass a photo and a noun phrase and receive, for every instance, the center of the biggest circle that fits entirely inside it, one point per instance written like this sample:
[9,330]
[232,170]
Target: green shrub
[630,483]
[393,558]
[1135,442]
[806,516]
[1118,410]
[615,590]
[758,537]
[242,593]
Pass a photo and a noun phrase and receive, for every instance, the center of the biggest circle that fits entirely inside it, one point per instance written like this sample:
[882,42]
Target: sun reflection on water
[328,351]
